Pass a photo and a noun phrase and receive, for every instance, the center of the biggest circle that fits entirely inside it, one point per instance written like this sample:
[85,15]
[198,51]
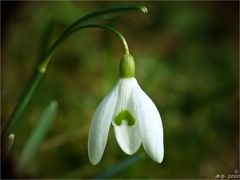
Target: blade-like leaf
[44,41]
[39,133]
[9,144]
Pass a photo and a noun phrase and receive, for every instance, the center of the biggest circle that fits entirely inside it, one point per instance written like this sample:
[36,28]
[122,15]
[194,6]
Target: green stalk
[9,127]
[44,41]
[82,20]
[124,42]
[19,109]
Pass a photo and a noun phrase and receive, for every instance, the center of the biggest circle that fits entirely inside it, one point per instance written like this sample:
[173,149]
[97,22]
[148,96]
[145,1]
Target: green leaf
[38,135]
[44,41]
[48,54]
[116,14]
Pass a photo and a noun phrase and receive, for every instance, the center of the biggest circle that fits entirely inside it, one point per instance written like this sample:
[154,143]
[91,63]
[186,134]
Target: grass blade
[9,144]
[45,39]
[38,135]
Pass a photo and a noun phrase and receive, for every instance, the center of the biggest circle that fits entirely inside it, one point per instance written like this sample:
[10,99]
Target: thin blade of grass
[31,147]
[44,41]
[9,144]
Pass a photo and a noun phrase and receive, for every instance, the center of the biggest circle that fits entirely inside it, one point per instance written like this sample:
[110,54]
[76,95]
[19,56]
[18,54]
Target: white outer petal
[127,136]
[150,124]
[100,125]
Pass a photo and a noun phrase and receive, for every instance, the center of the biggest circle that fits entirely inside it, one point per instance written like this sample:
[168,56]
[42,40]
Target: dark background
[187,61]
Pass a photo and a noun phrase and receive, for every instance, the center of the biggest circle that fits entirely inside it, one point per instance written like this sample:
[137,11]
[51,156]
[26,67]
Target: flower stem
[46,58]
[106,28]
[19,109]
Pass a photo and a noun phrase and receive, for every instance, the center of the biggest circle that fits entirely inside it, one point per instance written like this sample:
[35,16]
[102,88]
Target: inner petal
[127,136]
[123,110]
[125,124]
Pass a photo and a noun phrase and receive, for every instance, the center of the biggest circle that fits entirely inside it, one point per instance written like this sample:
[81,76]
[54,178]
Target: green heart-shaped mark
[126,116]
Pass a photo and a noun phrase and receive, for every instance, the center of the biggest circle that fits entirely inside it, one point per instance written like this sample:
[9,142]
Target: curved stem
[109,10]
[106,28]
[38,74]
[48,56]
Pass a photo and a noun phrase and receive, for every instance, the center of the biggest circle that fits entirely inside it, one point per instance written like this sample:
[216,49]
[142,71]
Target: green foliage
[48,54]
[36,138]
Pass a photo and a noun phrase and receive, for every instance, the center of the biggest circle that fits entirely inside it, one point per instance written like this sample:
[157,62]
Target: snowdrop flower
[133,115]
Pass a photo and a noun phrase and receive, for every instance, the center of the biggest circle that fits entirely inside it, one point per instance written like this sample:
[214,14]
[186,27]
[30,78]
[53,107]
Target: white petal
[100,125]
[127,136]
[124,94]
[150,124]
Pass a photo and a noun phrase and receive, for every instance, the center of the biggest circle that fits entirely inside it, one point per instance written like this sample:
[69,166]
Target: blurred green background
[187,61]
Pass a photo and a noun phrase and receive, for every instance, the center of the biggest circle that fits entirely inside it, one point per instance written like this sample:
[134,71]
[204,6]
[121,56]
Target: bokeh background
[187,61]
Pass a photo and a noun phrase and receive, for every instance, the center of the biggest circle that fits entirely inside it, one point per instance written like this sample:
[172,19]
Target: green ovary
[126,116]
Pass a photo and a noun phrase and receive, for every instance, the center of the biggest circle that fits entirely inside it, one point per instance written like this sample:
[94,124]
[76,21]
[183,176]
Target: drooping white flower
[133,115]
